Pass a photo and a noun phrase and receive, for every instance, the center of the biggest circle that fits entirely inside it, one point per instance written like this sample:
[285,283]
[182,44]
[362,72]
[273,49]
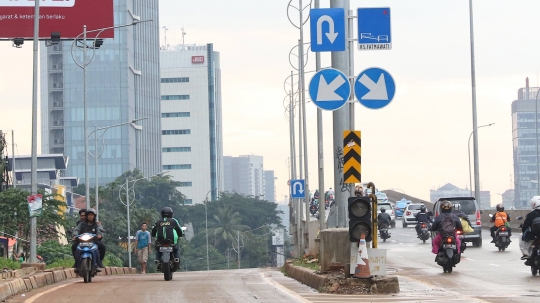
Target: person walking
[143,246]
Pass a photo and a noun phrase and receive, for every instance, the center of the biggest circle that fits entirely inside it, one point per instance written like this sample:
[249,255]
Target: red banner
[64,16]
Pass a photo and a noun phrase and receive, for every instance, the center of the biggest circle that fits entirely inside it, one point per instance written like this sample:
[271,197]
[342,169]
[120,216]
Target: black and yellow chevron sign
[351,154]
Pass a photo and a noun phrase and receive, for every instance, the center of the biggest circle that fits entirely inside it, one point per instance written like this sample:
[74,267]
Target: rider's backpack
[535,226]
[447,226]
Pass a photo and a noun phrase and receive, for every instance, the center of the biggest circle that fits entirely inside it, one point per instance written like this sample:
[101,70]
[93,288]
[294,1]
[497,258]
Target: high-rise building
[191,122]
[449,190]
[269,186]
[244,175]
[525,144]
[122,85]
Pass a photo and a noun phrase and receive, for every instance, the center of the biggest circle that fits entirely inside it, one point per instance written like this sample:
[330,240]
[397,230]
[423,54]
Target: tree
[225,227]
[14,215]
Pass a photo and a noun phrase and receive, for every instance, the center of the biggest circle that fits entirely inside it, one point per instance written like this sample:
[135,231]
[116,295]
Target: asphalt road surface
[484,275]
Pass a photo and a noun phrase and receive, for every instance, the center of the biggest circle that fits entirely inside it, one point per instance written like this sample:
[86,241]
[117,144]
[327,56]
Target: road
[484,275]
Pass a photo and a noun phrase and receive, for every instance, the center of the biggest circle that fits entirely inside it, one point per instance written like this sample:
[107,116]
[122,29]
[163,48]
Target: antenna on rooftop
[165,30]
[183,34]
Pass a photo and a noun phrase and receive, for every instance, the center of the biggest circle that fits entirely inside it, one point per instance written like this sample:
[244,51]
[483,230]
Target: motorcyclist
[383,218]
[421,217]
[82,218]
[526,241]
[90,226]
[446,211]
[498,220]
[316,194]
[167,228]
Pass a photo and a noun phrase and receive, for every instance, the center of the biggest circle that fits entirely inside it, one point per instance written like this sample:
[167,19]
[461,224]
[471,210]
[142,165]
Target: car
[409,214]
[400,207]
[381,197]
[389,209]
[469,206]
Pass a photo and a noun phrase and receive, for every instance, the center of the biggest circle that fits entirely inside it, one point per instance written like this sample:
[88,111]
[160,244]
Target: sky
[417,143]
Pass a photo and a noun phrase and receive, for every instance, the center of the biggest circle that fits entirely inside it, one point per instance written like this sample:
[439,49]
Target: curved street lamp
[469,147]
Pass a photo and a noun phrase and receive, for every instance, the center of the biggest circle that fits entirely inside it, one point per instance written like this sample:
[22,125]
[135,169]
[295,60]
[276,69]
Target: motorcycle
[534,259]
[424,232]
[88,253]
[383,232]
[461,237]
[502,239]
[448,255]
[168,263]
[314,206]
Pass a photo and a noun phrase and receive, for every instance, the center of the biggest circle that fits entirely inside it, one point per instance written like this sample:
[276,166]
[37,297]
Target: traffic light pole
[340,61]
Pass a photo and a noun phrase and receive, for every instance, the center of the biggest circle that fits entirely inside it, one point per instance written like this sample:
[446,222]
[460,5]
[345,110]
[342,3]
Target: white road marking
[493,264]
[468,258]
[32,299]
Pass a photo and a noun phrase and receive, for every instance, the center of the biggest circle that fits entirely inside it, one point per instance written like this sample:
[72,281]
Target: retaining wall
[19,281]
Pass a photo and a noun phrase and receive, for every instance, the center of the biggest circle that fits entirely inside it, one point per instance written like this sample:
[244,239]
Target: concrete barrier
[28,278]
[335,248]
[322,283]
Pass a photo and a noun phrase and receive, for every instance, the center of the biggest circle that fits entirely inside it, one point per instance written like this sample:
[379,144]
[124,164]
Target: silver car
[409,214]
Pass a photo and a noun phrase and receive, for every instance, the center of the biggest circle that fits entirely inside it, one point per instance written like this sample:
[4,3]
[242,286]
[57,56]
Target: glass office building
[122,84]
[524,141]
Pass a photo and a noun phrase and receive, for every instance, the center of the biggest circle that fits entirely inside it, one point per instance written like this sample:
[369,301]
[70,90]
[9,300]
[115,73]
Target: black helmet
[446,206]
[383,209]
[423,208]
[166,212]
[82,210]
[500,207]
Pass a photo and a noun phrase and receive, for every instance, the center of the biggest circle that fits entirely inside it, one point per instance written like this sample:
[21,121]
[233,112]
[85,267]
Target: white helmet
[535,202]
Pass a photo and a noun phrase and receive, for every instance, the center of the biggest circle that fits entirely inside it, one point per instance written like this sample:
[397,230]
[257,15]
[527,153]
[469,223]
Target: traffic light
[359,218]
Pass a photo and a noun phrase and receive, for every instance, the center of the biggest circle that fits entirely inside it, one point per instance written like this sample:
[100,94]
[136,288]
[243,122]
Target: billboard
[64,16]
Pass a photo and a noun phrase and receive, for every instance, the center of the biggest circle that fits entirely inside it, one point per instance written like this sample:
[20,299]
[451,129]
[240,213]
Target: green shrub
[68,263]
[112,260]
[9,264]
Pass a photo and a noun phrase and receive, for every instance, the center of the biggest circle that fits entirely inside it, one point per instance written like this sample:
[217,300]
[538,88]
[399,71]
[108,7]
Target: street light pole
[477,195]
[206,214]
[96,156]
[536,135]
[33,220]
[83,65]
[127,210]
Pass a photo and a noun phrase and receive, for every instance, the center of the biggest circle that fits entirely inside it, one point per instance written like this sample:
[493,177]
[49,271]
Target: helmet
[535,202]
[383,209]
[91,210]
[457,206]
[500,207]
[166,212]
[82,210]
[422,208]
[358,190]
[446,206]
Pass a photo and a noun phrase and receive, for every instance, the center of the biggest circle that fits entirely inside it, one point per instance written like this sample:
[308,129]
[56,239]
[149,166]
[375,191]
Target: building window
[175,80]
[176,132]
[175,115]
[175,97]
[188,201]
[176,149]
[176,166]
[186,184]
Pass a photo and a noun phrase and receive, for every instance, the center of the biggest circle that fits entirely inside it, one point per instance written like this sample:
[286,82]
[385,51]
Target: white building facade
[245,175]
[191,120]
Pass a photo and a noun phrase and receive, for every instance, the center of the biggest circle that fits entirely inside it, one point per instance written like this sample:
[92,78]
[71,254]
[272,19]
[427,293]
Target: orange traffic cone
[362,262]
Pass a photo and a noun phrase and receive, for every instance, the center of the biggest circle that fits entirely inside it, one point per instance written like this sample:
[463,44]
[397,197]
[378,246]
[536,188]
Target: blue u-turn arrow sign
[327,26]
[298,189]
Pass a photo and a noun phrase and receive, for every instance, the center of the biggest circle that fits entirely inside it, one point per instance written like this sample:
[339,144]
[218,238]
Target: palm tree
[225,226]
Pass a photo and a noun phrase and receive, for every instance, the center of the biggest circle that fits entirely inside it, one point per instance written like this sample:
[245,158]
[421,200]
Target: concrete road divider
[19,281]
